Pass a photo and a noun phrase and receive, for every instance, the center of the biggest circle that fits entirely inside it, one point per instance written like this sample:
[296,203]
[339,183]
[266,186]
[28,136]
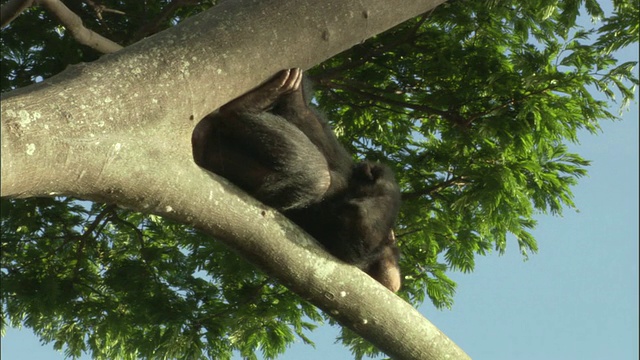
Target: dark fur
[271,144]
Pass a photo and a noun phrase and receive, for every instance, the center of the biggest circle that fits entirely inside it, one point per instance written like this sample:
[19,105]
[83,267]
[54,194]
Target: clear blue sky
[576,299]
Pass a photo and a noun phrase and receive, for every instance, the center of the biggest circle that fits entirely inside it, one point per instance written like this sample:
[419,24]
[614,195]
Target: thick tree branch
[118,130]
[73,23]
[11,9]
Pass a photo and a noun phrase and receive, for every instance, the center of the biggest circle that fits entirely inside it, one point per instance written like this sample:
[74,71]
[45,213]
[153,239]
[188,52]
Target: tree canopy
[472,104]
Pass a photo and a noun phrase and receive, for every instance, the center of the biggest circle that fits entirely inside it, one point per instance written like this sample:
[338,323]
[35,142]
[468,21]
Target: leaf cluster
[142,287]
[474,104]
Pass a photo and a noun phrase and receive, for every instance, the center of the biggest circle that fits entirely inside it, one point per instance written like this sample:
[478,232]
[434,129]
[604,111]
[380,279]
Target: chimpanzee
[272,145]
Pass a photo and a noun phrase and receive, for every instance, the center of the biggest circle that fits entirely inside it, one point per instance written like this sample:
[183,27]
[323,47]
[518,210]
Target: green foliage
[69,270]
[473,105]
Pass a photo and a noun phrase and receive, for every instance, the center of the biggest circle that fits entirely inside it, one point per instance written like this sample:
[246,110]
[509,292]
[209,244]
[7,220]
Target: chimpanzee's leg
[263,154]
[283,95]
[265,96]
[292,106]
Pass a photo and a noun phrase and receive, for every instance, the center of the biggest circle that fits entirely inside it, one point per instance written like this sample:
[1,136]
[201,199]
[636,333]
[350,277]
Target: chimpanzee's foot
[264,96]
[292,80]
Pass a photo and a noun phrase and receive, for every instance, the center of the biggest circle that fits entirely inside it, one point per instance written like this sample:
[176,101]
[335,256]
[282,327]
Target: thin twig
[99,9]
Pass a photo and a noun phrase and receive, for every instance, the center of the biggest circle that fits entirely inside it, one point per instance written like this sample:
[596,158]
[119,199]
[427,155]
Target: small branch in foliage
[99,9]
[510,102]
[256,292]
[431,190]
[114,217]
[97,220]
[378,98]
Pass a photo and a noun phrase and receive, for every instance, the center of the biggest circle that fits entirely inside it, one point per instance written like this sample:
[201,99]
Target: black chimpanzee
[271,144]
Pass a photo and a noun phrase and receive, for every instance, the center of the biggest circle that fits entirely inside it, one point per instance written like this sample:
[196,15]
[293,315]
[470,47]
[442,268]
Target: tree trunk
[118,130]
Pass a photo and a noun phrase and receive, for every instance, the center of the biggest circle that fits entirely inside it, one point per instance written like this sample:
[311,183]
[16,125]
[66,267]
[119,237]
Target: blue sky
[577,298]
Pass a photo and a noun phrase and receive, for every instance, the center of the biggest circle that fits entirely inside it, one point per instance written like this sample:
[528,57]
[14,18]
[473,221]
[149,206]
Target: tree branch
[99,9]
[371,95]
[11,9]
[73,23]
